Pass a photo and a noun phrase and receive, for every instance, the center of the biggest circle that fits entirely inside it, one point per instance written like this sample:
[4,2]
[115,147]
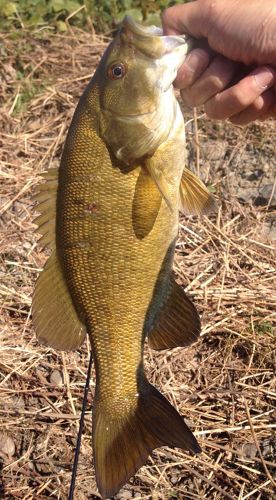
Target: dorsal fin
[46,196]
[54,316]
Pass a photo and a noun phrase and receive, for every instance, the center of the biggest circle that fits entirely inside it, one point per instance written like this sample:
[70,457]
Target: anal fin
[178,324]
[54,316]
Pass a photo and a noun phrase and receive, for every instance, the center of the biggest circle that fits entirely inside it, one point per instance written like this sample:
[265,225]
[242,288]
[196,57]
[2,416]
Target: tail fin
[123,443]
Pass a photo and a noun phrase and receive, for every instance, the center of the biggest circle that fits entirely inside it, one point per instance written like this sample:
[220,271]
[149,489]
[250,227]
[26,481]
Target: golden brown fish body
[112,234]
[115,237]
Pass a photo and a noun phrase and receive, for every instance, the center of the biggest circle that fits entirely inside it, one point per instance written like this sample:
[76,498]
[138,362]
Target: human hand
[233,32]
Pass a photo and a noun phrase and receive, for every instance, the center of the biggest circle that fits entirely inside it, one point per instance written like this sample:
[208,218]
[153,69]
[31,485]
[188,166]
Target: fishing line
[77,450]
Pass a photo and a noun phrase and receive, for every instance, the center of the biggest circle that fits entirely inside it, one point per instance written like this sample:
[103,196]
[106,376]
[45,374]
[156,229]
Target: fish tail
[123,442]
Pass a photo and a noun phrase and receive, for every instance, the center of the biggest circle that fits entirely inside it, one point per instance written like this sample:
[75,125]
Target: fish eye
[116,71]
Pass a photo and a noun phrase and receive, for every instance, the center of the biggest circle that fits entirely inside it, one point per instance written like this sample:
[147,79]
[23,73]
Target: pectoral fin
[159,179]
[178,324]
[146,204]
[195,199]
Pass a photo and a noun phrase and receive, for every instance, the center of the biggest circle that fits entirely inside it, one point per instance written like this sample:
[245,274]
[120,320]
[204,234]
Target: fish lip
[140,30]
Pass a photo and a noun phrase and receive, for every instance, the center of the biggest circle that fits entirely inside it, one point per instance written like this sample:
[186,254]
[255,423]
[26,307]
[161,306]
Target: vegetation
[102,15]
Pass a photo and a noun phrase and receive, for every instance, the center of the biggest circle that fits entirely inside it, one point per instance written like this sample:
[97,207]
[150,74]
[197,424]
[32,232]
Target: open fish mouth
[148,31]
[139,29]
[151,40]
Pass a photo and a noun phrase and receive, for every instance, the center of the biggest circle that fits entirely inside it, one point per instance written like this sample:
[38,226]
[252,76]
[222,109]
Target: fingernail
[264,77]
[196,60]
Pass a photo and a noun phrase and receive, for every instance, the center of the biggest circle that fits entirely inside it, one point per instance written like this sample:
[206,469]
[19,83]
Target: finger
[190,18]
[195,64]
[214,79]
[272,110]
[262,105]
[235,99]
[271,113]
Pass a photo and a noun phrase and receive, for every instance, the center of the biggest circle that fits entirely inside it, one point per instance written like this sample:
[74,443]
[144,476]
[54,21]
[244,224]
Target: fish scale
[95,267]
[110,217]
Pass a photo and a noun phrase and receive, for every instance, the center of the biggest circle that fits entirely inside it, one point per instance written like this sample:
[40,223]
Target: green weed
[104,14]
[26,92]
[263,328]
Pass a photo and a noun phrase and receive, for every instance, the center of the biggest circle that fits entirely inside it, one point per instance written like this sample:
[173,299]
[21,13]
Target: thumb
[190,18]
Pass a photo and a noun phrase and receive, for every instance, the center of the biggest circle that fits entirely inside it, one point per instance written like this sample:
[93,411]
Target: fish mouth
[151,41]
[140,30]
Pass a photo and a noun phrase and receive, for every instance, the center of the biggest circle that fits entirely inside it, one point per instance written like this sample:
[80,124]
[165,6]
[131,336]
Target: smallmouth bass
[110,216]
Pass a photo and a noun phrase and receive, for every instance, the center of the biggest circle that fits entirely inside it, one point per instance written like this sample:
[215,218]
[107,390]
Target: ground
[224,384]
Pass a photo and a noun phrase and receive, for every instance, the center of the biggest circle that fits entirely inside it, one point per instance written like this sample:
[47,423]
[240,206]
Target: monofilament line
[77,450]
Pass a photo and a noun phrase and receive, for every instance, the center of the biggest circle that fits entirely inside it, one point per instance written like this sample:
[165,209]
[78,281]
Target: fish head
[138,66]
[135,75]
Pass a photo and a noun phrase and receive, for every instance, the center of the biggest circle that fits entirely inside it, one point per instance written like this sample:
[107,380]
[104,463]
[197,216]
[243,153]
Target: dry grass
[225,384]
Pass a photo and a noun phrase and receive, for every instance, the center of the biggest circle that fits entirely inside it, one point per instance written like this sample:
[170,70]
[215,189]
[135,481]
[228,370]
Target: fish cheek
[146,205]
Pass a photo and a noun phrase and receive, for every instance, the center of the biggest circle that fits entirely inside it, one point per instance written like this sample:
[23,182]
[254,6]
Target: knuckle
[211,12]
[239,97]
[216,84]
[211,5]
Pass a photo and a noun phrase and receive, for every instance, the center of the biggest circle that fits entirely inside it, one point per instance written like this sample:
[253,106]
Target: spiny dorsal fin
[178,324]
[46,196]
[54,316]
[195,199]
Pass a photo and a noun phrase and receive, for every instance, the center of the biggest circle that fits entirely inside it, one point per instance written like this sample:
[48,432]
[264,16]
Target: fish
[109,214]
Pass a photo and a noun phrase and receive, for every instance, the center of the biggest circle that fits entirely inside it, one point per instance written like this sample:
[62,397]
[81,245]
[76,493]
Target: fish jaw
[169,64]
